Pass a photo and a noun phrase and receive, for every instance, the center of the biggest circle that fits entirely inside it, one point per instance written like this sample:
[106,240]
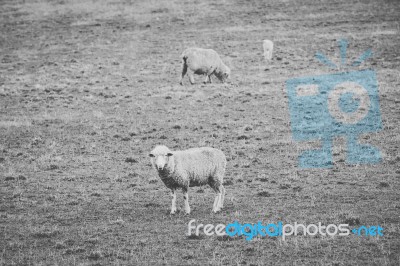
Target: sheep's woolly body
[203,62]
[193,167]
[189,168]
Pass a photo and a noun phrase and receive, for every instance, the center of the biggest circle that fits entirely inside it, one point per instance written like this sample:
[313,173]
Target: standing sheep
[203,62]
[190,168]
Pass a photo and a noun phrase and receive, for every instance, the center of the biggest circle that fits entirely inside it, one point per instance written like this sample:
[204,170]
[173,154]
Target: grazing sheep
[203,62]
[190,168]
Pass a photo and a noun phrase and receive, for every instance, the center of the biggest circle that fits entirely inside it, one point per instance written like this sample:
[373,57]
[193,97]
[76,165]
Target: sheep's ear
[169,154]
[151,155]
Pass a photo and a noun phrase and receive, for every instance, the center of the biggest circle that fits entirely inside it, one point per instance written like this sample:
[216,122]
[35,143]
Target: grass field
[88,88]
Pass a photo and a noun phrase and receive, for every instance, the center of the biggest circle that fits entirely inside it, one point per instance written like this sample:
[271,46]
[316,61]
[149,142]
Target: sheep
[190,168]
[203,62]
[268,47]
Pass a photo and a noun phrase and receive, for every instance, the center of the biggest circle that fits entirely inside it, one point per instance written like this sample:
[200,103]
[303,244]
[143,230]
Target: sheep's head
[160,156]
[223,74]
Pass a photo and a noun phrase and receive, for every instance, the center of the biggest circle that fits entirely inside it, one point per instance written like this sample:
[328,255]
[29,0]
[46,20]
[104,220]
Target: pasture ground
[88,88]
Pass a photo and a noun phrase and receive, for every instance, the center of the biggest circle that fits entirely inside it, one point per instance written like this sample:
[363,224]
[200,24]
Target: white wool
[192,167]
[203,62]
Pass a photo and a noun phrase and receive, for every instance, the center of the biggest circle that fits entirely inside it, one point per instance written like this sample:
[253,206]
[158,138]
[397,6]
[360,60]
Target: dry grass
[87,88]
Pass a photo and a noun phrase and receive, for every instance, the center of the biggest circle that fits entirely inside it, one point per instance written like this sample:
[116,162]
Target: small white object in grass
[268,47]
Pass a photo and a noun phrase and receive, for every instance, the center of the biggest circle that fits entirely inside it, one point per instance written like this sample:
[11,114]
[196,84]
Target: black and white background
[88,88]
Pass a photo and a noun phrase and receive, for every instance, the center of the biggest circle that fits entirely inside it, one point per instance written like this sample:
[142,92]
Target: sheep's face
[227,73]
[160,157]
[224,75]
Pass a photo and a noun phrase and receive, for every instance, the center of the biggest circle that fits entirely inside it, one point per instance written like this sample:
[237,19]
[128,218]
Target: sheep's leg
[221,202]
[218,188]
[216,185]
[184,70]
[186,198]
[191,76]
[173,205]
[208,79]
[219,198]
[208,75]
[216,203]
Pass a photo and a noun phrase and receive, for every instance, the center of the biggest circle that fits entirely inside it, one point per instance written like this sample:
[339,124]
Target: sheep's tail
[184,58]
